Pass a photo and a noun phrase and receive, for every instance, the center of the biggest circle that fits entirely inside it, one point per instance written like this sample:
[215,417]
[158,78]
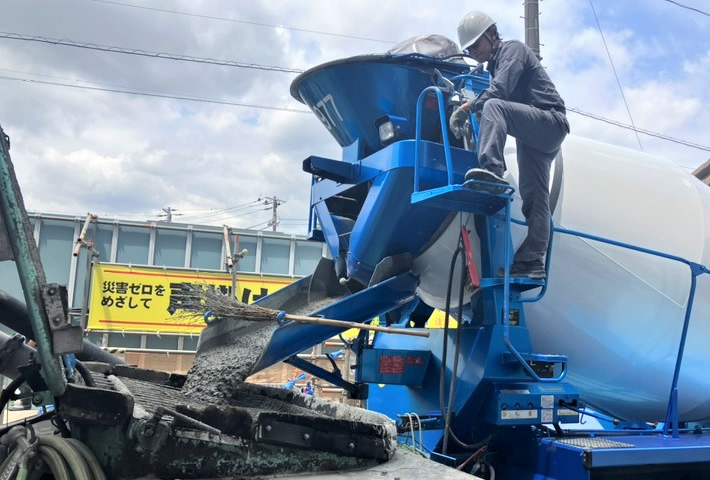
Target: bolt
[148,431]
[306,436]
[351,446]
[51,291]
[57,320]
[268,428]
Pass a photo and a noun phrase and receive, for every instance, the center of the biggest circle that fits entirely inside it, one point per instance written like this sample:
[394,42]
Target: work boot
[483,175]
[534,270]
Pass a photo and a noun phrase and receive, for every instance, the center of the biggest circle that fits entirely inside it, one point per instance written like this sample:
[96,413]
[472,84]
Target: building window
[308,255]
[274,255]
[189,343]
[206,251]
[133,245]
[102,241]
[170,248]
[248,263]
[97,338]
[56,240]
[10,280]
[128,340]
[164,342]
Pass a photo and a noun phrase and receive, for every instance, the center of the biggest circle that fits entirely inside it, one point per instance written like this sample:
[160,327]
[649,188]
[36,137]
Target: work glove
[457,122]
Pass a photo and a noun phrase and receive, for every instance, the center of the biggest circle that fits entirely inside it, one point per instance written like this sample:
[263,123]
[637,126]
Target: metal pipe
[14,315]
[29,266]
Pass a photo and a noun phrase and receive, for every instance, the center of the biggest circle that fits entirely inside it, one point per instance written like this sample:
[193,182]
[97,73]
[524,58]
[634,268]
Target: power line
[628,110]
[143,53]
[688,7]
[260,223]
[207,213]
[639,130]
[219,102]
[246,22]
[225,216]
[157,95]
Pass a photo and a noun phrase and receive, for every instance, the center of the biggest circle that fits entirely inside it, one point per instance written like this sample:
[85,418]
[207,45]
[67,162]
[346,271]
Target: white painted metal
[616,313]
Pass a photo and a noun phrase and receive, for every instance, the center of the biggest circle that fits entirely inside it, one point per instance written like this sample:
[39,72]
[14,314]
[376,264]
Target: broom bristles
[202,299]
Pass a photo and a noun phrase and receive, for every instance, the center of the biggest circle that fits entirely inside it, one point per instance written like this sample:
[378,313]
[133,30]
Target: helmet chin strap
[495,43]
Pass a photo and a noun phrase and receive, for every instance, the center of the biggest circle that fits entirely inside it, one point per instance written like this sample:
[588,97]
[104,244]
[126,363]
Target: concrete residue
[231,353]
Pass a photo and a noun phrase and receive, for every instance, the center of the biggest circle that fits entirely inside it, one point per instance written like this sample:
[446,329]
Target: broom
[217,305]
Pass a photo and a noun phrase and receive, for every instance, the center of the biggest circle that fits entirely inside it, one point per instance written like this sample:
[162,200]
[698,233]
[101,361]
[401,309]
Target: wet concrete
[218,371]
[230,351]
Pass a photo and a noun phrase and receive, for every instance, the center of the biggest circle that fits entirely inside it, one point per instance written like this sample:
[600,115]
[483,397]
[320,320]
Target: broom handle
[342,323]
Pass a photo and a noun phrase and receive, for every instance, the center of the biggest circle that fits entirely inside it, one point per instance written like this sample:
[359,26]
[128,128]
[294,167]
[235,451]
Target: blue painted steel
[418,136]
[645,450]
[360,307]
[459,198]
[349,95]
[335,377]
[531,404]
[481,352]
[386,213]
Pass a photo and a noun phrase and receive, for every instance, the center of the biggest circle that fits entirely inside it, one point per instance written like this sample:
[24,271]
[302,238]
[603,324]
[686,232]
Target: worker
[522,102]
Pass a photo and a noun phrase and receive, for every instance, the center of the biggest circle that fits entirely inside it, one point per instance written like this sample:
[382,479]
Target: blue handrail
[444,135]
[696,270]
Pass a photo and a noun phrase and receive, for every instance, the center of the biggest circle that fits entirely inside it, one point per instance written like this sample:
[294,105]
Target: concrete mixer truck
[506,388]
[616,332]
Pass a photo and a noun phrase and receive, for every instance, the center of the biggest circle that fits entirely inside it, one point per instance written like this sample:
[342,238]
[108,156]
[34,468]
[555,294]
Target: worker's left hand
[457,122]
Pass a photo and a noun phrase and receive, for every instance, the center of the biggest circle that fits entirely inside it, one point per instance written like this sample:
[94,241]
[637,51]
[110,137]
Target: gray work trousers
[539,134]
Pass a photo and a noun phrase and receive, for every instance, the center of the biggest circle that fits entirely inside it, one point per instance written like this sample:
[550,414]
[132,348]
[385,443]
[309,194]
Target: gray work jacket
[518,76]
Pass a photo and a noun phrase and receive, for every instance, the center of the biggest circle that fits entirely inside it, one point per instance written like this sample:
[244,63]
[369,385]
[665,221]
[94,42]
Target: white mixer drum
[616,313]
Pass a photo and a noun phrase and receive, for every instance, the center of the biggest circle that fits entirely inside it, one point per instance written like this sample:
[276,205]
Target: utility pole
[532,26]
[275,202]
[168,213]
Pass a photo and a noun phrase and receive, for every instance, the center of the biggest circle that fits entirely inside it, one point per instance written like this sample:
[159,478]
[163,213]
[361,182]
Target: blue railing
[696,270]
[508,247]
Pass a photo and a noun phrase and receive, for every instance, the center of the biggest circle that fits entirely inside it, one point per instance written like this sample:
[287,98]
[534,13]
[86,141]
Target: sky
[216,161]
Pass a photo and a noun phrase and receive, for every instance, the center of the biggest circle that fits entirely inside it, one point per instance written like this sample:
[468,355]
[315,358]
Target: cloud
[78,150]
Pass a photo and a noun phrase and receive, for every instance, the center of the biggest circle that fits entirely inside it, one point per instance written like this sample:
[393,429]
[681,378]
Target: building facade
[158,245]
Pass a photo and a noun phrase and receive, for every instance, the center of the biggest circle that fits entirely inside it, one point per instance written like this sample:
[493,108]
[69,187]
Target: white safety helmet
[472,26]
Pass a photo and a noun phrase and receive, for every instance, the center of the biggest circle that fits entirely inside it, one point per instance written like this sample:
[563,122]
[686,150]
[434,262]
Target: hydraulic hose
[96,472]
[71,455]
[85,374]
[442,375]
[54,462]
[442,380]
[65,458]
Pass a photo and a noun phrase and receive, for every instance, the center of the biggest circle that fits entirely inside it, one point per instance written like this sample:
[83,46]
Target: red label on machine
[390,365]
[395,365]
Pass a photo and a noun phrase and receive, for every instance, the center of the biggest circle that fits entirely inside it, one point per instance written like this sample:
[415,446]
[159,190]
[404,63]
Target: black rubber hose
[97,472]
[85,374]
[54,462]
[77,465]
[444,353]
[14,315]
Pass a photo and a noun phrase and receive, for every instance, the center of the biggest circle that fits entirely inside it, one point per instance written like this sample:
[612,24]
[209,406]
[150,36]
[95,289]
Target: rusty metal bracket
[66,338]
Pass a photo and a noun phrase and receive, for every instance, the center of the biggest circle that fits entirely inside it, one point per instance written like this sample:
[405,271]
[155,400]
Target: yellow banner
[144,299]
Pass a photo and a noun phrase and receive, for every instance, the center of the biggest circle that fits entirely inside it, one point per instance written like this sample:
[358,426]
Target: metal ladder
[461,197]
